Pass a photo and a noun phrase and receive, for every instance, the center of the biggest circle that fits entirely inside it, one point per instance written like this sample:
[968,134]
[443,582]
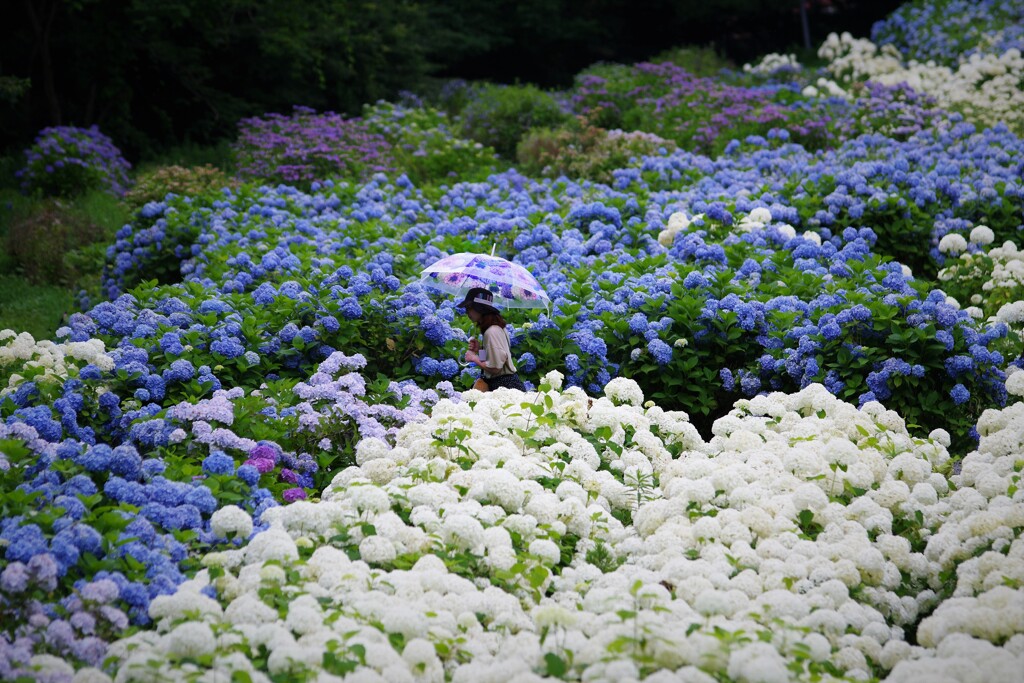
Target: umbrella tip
[493,246]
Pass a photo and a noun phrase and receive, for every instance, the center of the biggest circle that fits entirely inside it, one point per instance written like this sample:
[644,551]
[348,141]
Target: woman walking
[495,358]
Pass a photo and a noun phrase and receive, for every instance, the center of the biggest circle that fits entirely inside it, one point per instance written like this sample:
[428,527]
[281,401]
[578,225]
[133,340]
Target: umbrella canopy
[510,283]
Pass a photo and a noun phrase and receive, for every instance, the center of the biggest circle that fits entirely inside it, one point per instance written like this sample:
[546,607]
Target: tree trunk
[42,23]
[804,25]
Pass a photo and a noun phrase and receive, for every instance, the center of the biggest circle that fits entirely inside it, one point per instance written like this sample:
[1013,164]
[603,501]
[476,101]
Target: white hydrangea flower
[678,221]
[982,235]
[624,390]
[90,675]
[272,544]
[377,549]
[952,243]
[812,236]
[371,448]
[1015,384]
[229,521]
[546,550]
[462,531]
[554,380]
[191,639]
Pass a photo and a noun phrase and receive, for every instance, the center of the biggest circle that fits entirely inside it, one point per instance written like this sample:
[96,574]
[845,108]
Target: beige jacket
[497,344]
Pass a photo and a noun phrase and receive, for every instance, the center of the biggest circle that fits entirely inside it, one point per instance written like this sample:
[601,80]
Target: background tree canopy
[157,74]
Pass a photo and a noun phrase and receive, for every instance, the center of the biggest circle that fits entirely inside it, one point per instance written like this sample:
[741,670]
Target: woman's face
[472,314]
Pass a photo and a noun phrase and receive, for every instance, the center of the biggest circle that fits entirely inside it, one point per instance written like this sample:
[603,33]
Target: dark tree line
[154,73]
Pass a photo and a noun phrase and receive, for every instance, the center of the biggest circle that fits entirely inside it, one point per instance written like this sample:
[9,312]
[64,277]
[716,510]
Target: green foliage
[184,71]
[198,181]
[500,115]
[190,155]
[425,148]
[39,240]
[51,248]
[13,88]
[585,151]
[704,60]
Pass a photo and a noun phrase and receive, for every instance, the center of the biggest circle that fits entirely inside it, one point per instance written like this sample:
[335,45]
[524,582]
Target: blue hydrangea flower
[219,462]
[960,394]
[661,351]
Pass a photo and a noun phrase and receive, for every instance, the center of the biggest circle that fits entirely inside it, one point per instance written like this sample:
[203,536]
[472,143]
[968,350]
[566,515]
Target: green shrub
[424,146]
[700,61]
[500,115]
[585,151]
[39,240]
[154,185]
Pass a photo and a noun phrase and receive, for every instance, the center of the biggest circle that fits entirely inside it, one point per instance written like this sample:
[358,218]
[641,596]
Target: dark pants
[508,381]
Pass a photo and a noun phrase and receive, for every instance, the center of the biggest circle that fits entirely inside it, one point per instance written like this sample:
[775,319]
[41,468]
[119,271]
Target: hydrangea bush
[499,116]
[67,160]
[698,113]
[754,445]
[971,65]
[921,29]
[425,145]
[516,537]
[584,151]
[154,185]
[984,87]
[306,145]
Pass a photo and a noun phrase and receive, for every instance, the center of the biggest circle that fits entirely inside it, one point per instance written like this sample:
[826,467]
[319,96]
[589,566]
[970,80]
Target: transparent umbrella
[511,284]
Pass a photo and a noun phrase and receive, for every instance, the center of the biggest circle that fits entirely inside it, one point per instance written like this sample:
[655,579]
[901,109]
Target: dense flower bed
[921,30]
[127,522]
[663,305]
[754,446]
[306,146]
[514,536]
[300,148]
[985,87]
[972,65]
[701,114]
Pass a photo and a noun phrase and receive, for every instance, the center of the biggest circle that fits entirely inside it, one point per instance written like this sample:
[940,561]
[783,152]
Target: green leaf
[556,666]
[537,576]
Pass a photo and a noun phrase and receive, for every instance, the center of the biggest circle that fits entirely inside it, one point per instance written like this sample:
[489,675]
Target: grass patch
[36,294]
[36,309]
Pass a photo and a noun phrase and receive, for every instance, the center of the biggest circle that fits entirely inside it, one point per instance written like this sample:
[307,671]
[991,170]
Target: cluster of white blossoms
[774,64]
[997,275]
[677,222]
[515,537]
[985,88]
[45,360]
[826,87]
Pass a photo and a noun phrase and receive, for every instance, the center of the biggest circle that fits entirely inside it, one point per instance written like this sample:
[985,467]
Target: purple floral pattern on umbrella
[512,285]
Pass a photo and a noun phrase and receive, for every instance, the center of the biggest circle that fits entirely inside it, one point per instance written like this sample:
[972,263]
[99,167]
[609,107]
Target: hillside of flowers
[774,420]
